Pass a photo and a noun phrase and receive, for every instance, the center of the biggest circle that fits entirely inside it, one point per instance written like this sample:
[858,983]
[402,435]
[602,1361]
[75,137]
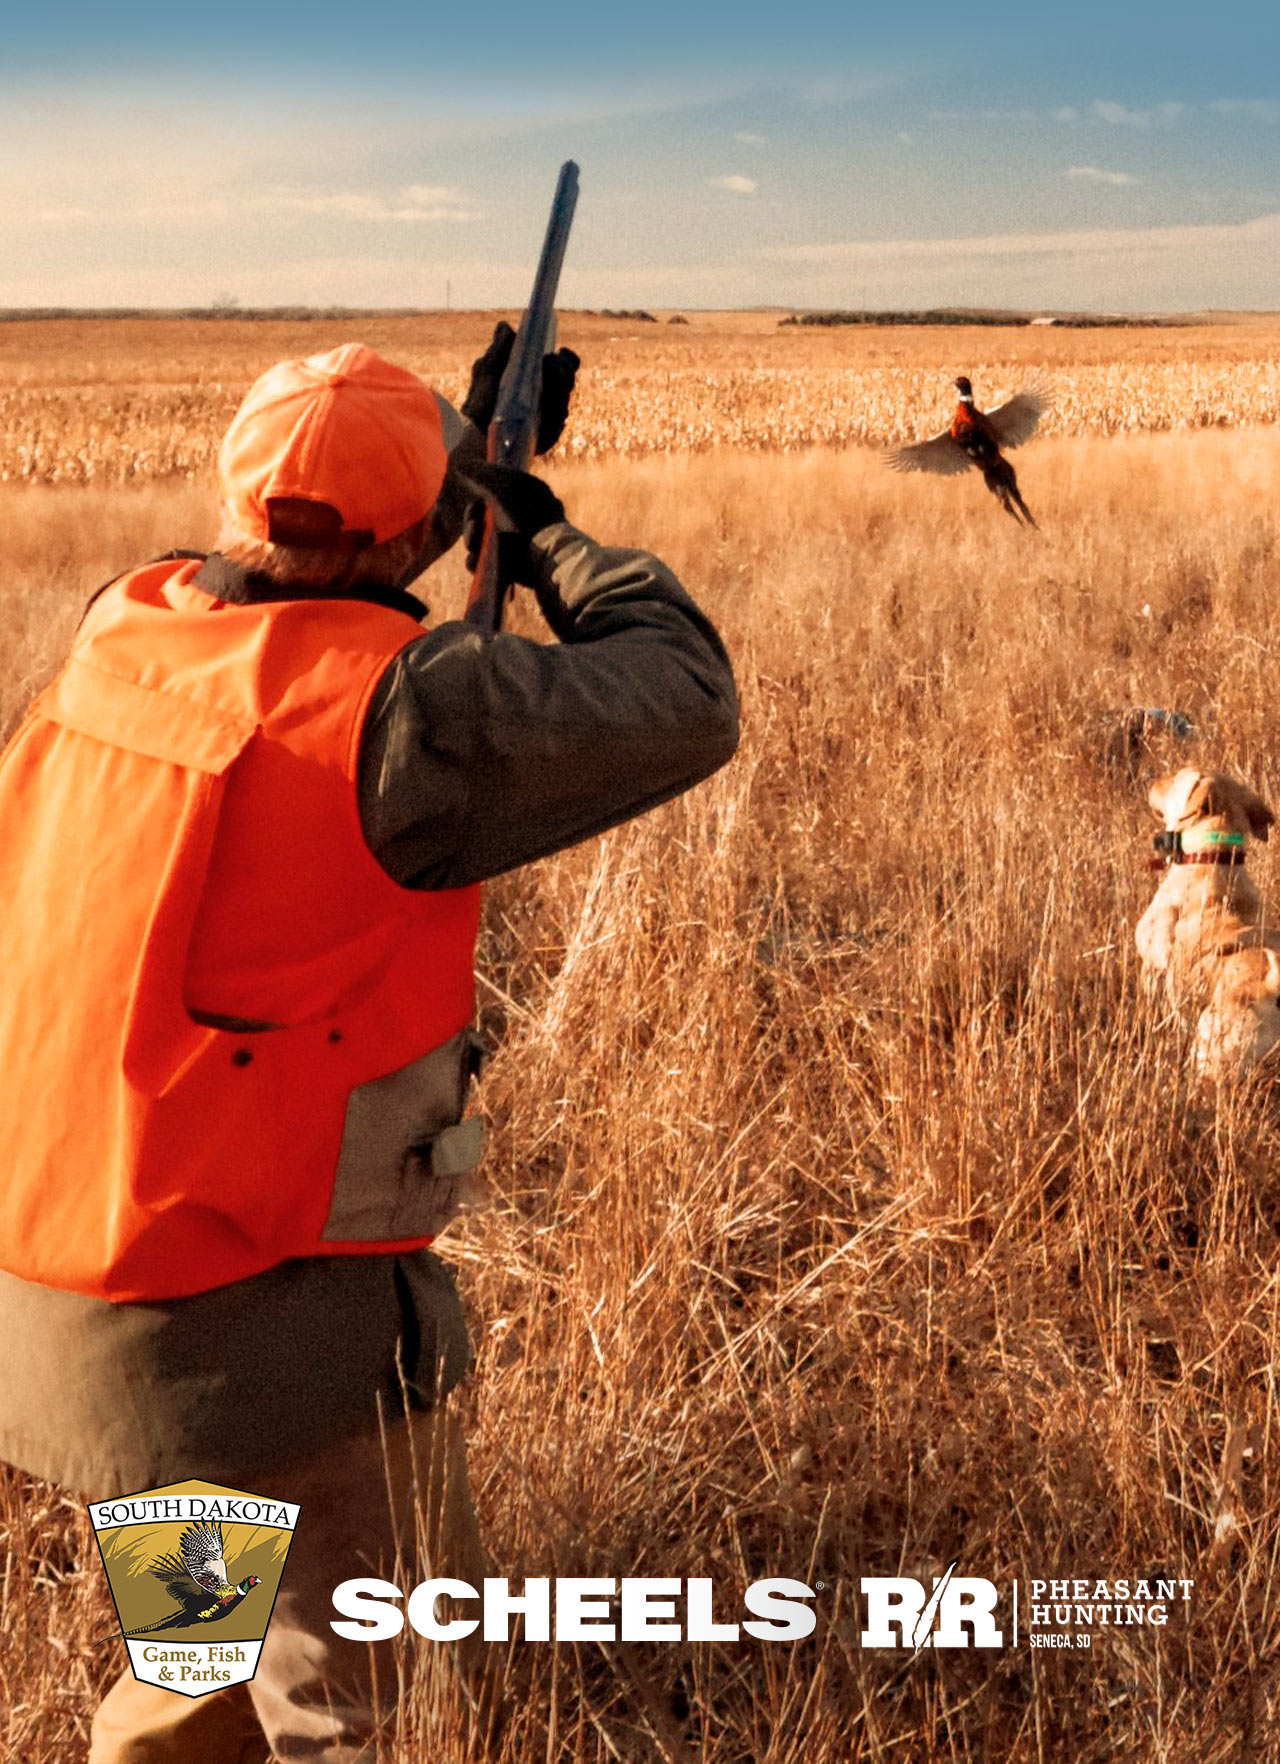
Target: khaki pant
[364,1503]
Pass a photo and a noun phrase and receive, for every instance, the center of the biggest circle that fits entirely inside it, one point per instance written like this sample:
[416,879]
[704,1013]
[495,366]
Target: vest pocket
[406,1163]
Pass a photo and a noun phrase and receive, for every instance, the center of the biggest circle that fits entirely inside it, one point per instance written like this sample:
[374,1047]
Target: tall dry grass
[857,1214]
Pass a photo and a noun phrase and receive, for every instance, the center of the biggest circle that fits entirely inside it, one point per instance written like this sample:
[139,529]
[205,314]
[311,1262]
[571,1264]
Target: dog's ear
[1242,806]
[1256,811]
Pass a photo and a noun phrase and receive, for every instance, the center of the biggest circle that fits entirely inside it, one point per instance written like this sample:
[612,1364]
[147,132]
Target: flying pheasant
[197,1578]
[975,439]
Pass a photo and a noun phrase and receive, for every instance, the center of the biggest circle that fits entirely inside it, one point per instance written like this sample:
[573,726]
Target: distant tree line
[225,308]
[947,315]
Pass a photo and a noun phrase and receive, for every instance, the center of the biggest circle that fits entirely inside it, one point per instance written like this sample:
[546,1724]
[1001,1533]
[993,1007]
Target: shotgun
[514,428]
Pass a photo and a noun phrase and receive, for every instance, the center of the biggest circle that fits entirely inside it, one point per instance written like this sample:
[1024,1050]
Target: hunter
[242,838]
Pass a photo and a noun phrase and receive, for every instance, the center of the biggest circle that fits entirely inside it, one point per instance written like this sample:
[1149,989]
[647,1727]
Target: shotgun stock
[514,428]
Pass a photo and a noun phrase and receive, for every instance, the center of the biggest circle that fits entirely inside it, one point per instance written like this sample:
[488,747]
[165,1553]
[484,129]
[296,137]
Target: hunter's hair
[322,566]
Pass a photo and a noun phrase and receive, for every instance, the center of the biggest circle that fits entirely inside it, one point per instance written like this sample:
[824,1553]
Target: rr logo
[957,1614]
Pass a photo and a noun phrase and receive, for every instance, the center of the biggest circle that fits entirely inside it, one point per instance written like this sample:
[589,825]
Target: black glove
[524,505]
[558,374]
[559,371]
[486,376]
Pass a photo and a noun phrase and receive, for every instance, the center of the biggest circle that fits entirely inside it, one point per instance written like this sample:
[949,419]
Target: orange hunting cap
[342,448]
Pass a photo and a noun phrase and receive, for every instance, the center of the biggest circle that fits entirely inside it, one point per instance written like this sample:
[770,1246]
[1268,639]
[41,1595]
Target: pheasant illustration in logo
[975,438]
[197,1577]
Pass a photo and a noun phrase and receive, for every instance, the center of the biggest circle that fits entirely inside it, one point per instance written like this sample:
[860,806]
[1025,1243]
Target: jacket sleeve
[483,752]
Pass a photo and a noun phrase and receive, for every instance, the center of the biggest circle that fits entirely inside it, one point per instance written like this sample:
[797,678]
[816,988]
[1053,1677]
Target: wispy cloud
[906,137]
[1134,269]
[1120,115]
[1264,230]
[1262,110]
[735,183]
[1101,110]
[1094,174]
[414,203]
[214,210]
[1020,115]
[417,202]
[435,195]
[748,139]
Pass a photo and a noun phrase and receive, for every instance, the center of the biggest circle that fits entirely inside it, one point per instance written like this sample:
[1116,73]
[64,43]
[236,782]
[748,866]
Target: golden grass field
[857,1212]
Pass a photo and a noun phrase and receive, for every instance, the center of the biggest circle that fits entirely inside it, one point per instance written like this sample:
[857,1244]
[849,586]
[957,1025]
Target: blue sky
[795,154]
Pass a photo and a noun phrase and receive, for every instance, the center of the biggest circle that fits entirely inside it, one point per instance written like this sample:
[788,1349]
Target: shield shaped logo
[194,1570]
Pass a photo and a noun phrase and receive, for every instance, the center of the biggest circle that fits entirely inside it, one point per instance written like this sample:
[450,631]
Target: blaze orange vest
[181,847]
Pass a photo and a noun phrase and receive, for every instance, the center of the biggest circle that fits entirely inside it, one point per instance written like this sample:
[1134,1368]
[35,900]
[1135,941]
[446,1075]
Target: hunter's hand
[559,372]
[486,377]
[524,506]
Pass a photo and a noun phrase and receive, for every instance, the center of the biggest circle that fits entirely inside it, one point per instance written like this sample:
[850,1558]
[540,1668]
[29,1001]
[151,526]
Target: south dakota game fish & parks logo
[194,1570]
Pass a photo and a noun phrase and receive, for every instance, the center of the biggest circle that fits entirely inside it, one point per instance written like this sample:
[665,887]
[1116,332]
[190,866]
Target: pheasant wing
[168,1567]
[178,1582]
[1017,420]
[942,455]
[201,1547]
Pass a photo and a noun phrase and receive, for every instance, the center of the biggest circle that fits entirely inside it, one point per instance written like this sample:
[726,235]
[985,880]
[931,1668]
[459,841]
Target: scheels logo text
[956,1611]
[592,1609]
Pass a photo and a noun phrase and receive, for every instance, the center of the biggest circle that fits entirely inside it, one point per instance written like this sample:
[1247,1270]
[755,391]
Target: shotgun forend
[514,428]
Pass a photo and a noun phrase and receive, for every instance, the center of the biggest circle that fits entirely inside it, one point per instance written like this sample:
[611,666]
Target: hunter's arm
[480,753]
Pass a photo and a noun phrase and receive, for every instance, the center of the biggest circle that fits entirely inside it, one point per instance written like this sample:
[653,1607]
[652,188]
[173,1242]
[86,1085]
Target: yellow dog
[1205,932]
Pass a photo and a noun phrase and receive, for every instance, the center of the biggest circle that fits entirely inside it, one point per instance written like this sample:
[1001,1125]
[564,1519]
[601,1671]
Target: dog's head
[1191,797]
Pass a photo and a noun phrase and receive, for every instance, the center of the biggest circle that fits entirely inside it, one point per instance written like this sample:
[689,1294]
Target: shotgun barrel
[514,429]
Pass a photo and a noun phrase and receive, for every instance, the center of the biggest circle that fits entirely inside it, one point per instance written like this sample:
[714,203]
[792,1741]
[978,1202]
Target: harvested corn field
[92,401]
